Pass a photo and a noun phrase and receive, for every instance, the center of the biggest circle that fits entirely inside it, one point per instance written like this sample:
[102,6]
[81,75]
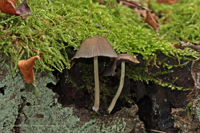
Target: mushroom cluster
[94,47]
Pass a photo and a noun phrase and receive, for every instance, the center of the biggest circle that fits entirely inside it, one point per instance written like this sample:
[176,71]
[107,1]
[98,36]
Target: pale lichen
[10,99]
[40,113]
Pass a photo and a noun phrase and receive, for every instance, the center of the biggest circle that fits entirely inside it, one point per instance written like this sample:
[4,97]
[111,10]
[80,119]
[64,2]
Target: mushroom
[94,47]
[121,58]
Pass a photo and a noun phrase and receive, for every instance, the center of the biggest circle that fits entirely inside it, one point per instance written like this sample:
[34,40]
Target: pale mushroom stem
[96,81]
[110,108]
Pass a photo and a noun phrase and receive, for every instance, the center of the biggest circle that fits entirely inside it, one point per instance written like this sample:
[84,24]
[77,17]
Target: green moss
[184,23]
[55,26]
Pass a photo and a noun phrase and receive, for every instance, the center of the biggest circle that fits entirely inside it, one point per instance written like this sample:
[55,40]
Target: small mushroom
[94,47]
[121,58]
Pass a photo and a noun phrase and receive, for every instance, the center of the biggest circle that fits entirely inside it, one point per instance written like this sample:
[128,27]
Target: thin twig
[157,131]
[164,35]
[21,44]
[131,3]
[175,37]
[9,36]
[188,44]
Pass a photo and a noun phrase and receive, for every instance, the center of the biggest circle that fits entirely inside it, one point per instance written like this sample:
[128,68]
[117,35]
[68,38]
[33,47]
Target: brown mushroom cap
[127,58]
[95,46]
[110,70]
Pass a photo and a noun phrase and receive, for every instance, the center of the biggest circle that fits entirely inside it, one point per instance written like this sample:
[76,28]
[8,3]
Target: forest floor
[160,94]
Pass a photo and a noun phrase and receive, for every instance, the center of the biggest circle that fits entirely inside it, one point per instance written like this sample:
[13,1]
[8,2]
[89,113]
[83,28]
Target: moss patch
[184,23]
[55,26]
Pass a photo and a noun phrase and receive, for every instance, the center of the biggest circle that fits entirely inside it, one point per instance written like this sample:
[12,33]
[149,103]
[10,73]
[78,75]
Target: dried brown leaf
[23,9]
[12,1]
[8,7]
[168,18]
[151,21]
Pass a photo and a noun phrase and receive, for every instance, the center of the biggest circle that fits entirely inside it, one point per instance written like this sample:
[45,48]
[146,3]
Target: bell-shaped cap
[110,70]
[95,46]
[127,58]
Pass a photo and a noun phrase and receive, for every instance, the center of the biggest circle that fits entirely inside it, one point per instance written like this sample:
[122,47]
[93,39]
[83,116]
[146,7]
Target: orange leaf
[151,21]
[36,51]
[26,68]
[168,18]
[172,1]
[12,1]
[167,1]
[7,7]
